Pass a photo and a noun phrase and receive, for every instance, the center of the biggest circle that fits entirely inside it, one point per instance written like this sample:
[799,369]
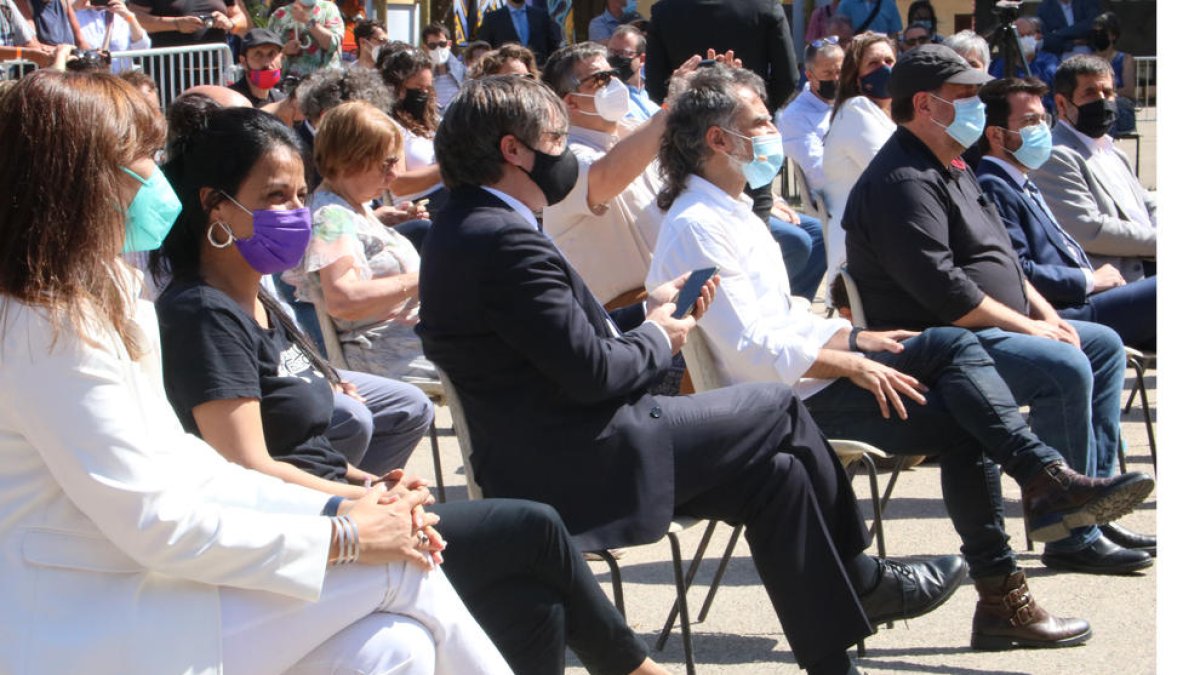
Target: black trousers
[514,566]
[751,454]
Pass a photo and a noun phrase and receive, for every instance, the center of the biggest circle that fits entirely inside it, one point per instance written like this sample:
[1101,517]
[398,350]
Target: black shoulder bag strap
[870,17]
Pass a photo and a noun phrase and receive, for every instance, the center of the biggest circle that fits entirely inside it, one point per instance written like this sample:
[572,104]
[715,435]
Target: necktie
[1073,247]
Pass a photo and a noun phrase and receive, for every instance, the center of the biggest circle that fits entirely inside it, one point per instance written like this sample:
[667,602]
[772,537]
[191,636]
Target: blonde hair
[354,136]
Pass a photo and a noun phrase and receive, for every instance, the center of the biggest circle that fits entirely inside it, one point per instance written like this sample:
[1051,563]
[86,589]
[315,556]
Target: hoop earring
[228,233]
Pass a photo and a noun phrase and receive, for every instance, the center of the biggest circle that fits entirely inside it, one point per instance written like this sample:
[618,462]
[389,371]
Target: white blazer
[117,528]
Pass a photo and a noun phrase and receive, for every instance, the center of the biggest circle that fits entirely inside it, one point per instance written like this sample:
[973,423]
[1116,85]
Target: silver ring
[422,539]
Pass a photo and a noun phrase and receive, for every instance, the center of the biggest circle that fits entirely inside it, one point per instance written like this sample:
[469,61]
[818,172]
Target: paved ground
[743,636]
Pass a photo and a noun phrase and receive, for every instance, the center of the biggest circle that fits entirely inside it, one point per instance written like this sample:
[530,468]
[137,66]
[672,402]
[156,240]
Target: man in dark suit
[1016,142]
[756,30]
[554,390]
[1062,33]
[520,22]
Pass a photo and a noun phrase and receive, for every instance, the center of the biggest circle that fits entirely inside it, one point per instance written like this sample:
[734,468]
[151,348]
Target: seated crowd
[182,451]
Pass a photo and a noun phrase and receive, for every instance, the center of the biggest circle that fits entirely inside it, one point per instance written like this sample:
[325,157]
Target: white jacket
[116,526]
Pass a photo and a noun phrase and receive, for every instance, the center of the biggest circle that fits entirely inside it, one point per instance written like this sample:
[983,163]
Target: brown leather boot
[1058,500]
[1007,617]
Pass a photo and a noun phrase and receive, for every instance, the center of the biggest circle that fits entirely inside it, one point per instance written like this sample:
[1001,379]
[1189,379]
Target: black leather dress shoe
[909,590]
[1102,557]
[1123,537]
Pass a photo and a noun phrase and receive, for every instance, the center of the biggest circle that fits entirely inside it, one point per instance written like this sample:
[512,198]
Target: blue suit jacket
[545,35]
[1056,34]
[1043,251]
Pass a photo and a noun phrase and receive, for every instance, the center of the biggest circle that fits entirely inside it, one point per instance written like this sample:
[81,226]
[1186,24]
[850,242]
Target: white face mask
[612,102]
[375,53]
[440,56]
[1029,45]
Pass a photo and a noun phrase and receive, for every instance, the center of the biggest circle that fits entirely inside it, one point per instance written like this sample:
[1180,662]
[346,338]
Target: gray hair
[467,144]
[326,88]
[559,71]
[710,100]
[967,43]
[1067,76]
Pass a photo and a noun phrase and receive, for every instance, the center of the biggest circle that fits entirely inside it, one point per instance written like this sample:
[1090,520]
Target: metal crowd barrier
[1146,91]
[15,69]
[175,69]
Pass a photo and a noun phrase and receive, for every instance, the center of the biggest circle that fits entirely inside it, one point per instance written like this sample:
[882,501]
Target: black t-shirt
[213,350]
[242,87]
[200,8]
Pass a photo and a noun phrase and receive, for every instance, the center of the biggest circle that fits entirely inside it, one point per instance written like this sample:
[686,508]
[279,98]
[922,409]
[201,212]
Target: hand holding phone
[685,302]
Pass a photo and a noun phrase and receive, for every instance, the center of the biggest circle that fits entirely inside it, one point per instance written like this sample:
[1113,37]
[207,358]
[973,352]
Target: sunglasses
[437,45]
[599,78]
[821,42]
[917,41]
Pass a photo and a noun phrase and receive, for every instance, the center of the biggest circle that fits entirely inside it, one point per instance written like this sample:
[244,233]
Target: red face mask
[266,78]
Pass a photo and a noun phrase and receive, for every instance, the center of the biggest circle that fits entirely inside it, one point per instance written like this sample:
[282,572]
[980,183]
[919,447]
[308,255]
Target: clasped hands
[392,522]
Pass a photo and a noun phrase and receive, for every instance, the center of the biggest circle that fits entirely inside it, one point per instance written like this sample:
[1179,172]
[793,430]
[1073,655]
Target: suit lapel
[1066,137]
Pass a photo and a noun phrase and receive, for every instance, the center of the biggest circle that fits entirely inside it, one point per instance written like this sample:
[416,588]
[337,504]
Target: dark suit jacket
[1056,34]
[545,35]
[756,30]
[1042,249]
[557,407]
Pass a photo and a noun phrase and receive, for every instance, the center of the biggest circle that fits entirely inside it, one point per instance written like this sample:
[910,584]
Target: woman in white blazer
[126,545]
[861,123]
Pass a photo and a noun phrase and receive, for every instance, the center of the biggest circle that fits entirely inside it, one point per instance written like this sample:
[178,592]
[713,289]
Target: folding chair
[1140,361]
[678,525]
[333,350]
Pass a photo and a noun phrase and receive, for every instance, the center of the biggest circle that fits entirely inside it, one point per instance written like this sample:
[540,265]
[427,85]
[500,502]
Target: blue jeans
[1131,310]
[803,249]
[1074,398]
[969,418]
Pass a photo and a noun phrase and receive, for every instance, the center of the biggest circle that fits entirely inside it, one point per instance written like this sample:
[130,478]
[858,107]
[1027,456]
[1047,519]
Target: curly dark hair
[710,100]
[397,66]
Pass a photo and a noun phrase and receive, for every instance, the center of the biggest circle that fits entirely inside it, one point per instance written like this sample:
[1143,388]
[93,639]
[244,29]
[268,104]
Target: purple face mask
[279,240]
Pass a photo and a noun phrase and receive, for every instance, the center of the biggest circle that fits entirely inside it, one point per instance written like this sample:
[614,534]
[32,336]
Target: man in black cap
[261,60]
[927,248]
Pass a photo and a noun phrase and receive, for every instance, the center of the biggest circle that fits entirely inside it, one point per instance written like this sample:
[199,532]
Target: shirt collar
[913,144]
[1094,144]
[514,204]
[600,140]
[519,9]
[1013,172]
[717,197]
[812,99]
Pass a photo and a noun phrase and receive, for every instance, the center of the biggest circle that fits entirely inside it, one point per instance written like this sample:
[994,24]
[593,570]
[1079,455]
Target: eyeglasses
[917,41]
[627,53]
[599,78]
[825,41]
[437,45]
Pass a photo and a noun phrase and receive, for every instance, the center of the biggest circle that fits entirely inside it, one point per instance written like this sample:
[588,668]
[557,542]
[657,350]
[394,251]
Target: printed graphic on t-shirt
[293,363]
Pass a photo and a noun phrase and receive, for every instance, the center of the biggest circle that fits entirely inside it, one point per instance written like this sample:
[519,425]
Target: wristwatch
[854,339]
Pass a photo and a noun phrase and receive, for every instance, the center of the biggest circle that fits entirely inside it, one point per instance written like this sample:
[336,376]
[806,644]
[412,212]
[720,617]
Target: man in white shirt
[805,120]
[963,410]
[606,226]
[1089,183]
[448,72]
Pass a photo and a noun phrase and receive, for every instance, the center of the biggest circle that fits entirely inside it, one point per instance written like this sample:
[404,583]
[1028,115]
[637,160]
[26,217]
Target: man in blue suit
[1066,23]
[519,21]
[1017,141]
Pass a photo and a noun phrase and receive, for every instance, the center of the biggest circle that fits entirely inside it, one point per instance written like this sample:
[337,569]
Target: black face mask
[555,175]
[827,89]
[1099,40]
[1096,118]
[414,102]
[623,65]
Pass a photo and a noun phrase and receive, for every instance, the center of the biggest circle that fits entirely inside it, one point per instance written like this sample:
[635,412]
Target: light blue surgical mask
[630,6]
[152,212]
[1036,145]
[766,160]
[970,116]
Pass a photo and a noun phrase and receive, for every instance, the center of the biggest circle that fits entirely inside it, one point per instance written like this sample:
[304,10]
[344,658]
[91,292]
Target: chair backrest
[700,362]
[333,345]
[461,431]
[857,316]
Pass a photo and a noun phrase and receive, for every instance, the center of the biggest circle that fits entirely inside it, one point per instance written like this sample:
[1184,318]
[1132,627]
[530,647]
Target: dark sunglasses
[599,78]
[914,42]
[437,45]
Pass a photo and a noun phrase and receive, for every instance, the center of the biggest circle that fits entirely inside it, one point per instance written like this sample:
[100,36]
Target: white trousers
[394,619]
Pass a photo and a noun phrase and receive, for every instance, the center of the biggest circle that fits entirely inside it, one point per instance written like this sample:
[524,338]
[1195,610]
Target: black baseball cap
[256,37]
[928,67]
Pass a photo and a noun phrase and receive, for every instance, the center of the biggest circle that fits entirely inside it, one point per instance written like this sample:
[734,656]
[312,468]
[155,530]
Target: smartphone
[707,63]
[99,3]
[685,302]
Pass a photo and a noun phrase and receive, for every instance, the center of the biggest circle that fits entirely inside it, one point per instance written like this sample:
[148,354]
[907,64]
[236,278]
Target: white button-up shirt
[803,124]
[609,246]
[757,331]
